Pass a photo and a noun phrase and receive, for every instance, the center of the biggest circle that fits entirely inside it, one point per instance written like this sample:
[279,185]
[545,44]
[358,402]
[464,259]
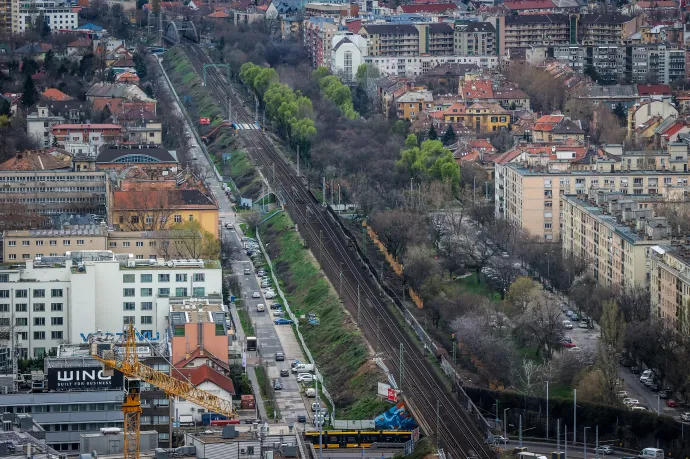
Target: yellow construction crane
[134,372]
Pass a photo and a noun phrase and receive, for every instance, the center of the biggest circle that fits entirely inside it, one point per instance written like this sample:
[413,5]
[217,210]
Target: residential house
[203,378]
[40,123]
[55,95]
[412,103]
[640,114]
[347,54]
[93,134]
[79,47]
[479,117]
[544,126]
[116,96]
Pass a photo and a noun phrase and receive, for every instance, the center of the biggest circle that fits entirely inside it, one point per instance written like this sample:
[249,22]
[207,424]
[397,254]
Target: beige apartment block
[669,285]
[531,196]
[25,245]
[614,233]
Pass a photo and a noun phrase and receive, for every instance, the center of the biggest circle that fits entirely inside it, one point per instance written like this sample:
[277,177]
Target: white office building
[419,65]
[56,300]
[58,15]
[347,54]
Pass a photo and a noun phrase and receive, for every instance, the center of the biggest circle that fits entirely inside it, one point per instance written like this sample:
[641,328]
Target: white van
[303,368]
[260,307]
[651,453]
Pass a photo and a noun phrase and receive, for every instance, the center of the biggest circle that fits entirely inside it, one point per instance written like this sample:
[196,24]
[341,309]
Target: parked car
[631,401]
[280,357]
[270,295]
[622,394]
[583,324]
[567,324]
[301,418]
[685,416]
[305,377]
[569,313]
[604,450]
[260,307]
[276,306]
[282,321]
[277,385]
[256,295]
[575,317]
[278,313]
[284,372]
[500,439]
[575,349]
[671,403]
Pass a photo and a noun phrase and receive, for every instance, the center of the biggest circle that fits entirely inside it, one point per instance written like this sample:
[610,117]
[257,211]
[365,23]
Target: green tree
[449,136]
[432,134]
[140,66]
[191,240]
[29,95]
[429,161]
[609,349]
[5,108]
[620,112]
[49,60]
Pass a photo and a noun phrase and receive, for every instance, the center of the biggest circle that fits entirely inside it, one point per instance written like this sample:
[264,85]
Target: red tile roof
[508,156]
[36,160]
[202,374]
[429,8]
[657,4]
[219,15]
[55,94]
[671,131]
[196,353]
[530,5]
[551,119]
[80,43]
[480,89]
[653,90]
[482,144]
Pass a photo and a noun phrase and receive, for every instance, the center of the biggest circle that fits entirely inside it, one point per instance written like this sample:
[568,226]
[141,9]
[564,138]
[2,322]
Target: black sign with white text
[83,378]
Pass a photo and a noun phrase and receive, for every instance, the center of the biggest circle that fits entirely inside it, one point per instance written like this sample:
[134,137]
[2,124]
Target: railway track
[456,431]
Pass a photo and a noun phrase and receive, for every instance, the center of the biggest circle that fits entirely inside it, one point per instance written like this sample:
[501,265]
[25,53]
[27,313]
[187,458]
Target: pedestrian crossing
[246,126]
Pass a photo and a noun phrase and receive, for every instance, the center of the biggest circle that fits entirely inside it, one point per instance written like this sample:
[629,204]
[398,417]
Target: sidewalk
[257,394]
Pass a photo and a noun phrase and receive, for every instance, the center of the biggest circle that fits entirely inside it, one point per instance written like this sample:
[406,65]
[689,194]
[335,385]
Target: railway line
[456,431]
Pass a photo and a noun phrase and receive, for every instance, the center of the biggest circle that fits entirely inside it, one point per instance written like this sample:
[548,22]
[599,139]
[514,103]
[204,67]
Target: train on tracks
[357,438]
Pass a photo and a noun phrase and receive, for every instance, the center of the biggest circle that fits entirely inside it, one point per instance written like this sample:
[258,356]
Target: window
[146,292]
[140,244]
[146,278]
[13,256]
[146,306]
[56,321]
[39,351]
[134,219]
[112,244]
[191,218]
[163,292]
[21,307]
[149,220]
[178,219]
[56,335]
[26,256]
[66,242]
[23,293]
[25,243]
[21,321]
[39,293]
[180,278]
[146,320]
[126,320]
[39,307]
[129,306]
[39,321]
[12,243]
[4,293]
[164,436]
[53,242]
[128,292]
[164,278]
[125,244]
[180,291]
[56,307]
[128,278]
[56,292]
[80,241]
[139,257]
[199,277]
[547,225]
[199,291]
[39,242]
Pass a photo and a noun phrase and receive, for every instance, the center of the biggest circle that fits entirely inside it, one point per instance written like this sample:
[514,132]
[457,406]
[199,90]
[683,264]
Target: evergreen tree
[620,112]
[49,60]
[449,136]
[29,97]
[5,107]
[432,134]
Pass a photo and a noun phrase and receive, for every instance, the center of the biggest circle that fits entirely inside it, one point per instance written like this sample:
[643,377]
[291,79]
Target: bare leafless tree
[148,211]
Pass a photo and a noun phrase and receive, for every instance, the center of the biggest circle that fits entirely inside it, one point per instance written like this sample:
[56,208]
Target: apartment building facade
[56,300]
[57,16]
[669,285]
[474,39]
[407,40]
[613,233]
[55,192]
[530,198]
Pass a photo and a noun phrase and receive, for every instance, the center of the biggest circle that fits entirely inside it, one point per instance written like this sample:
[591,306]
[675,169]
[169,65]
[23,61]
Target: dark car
[276,306]
[280,357]
[284,372]
[277,385]
[301,418]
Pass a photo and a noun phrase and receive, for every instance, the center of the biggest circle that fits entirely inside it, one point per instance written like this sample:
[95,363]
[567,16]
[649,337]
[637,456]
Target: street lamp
[586,441]
[505,429]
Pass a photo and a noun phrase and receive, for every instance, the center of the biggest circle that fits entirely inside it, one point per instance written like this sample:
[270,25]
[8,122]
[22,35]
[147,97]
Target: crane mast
[134,371]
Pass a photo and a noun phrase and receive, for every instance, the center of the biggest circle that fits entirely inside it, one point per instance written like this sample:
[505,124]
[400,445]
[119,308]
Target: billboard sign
[385,390]
[83,378]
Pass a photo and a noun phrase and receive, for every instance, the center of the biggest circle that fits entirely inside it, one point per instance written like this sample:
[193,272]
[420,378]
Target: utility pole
[229,110]
[263,120]
[340,287]
[378,333]
[520,429]
[547,410]
[273,171]
[331,192]
[323,190]
[596,441]
[297,160]
[256,109]
[359,304]
[321,247]
[565,440]
[574,416]
[438,424]
[455,345]
[402,364]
